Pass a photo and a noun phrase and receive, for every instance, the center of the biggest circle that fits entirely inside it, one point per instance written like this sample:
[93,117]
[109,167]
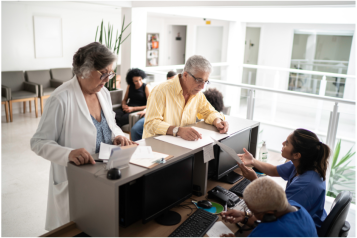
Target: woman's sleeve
[44,141]
[284,170]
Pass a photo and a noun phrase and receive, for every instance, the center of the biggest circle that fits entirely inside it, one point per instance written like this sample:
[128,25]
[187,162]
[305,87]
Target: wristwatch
[245,220]
[175,130]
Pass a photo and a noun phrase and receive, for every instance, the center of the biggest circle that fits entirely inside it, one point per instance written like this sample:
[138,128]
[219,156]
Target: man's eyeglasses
[104,76]
[199,81]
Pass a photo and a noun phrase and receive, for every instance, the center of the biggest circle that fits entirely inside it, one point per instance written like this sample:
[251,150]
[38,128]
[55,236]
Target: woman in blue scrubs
[305,172]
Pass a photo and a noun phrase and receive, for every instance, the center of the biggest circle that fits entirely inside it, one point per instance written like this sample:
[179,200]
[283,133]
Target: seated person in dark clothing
[271,213]
[137,93]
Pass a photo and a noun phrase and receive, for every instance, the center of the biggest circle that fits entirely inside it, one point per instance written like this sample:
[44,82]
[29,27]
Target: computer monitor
[164,189]
[224,164]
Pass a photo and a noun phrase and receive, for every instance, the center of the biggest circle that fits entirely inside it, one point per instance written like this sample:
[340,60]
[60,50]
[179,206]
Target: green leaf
[337,152]
[346,157]
[125,38]
[95,39]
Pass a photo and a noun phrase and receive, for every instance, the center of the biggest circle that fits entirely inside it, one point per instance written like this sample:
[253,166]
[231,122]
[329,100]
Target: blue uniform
[292,224]
[308,189]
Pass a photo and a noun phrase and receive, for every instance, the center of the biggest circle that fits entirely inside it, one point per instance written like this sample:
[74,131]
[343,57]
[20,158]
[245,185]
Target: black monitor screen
[167,187]
[237,142]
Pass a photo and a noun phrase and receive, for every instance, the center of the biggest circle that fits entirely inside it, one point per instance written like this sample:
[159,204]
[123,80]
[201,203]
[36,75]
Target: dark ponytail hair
[314,154]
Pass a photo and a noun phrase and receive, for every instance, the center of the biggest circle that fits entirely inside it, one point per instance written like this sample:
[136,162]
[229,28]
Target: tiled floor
[25,179]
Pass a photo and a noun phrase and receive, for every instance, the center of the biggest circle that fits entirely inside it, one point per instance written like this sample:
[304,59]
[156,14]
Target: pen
[98,160]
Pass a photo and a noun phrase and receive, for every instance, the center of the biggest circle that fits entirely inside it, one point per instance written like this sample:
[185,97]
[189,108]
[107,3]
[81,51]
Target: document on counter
[229,151]
[149,162]
[214,134]
[106,150]
[208,153]
[185,143]
[218,229]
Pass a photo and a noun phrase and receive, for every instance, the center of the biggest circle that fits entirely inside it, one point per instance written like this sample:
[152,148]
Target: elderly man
[176,102]
[271,214]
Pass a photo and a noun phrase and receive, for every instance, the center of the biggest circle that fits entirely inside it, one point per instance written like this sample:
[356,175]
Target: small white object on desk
[106,150]
[120,158]
[218,229]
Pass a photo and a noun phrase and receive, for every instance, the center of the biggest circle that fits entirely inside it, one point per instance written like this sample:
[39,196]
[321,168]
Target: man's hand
[80,156]
[233,216]
[141,114]
[248,173]
[122,140]
[188,133]
[247,158]
[228,235]
[222,126]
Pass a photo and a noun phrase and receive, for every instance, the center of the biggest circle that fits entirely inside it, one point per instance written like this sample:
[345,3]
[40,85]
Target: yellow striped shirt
[166,107]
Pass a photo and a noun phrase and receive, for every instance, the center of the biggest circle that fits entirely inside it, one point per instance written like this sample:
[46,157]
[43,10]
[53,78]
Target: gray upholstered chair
[5,98]
[45,84]
[61,74]
[21,91]
[117,97]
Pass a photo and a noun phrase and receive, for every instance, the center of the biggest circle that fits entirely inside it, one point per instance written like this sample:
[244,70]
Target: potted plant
[342,176]
[106,37]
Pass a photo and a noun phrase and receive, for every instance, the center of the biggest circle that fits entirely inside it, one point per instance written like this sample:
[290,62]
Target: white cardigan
[66,125]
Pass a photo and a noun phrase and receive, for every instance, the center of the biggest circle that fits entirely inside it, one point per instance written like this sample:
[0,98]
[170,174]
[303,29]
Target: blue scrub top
[292,224]
[308,189]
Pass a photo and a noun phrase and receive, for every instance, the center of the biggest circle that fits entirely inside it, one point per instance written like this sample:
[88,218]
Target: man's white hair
[197,63]
[263,194]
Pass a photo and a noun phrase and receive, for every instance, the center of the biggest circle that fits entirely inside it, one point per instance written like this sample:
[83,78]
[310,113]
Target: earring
[82,77]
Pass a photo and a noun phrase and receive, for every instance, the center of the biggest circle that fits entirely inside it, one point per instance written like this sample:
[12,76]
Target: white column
[350,86]
[133,50]
[235,57]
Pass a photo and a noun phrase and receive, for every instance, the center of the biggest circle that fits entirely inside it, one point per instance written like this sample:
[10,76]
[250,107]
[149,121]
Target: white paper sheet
[142,152]
[229,151]
[218,229]
[185,143]
[106,150]
[208,153]
[214,134]
[147,162]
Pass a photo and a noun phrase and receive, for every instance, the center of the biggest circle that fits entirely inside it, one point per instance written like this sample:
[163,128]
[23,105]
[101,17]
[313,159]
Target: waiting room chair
[5,98]
[45,84]
[117,97]
[61,74]
[335,224]
[21,91]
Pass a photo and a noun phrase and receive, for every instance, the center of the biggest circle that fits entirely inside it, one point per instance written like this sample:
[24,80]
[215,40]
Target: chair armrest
[133,118]
[55,83]
[33,87]
[6,92]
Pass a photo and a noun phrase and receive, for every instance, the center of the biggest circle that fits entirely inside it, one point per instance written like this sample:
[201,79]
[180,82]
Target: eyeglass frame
[198,80]
[104,76]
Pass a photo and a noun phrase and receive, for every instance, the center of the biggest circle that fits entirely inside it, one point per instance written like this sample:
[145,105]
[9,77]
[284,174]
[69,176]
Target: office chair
[335,224]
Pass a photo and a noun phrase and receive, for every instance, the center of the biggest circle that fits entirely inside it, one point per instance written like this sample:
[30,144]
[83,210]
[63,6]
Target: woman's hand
[129,109]
[80,156]
[247,158]
[248,173]
[228,235]
[141,114]
[233,216]
[124,106]
[122,140]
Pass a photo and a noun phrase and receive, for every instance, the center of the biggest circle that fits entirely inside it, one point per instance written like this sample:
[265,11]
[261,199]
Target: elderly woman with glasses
[176,102]
[78,116]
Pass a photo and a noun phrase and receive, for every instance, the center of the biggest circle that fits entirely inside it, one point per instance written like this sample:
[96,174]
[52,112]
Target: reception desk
[94,200]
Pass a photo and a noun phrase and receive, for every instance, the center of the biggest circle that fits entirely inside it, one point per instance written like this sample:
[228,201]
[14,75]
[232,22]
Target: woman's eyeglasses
[104,76]
[199,81]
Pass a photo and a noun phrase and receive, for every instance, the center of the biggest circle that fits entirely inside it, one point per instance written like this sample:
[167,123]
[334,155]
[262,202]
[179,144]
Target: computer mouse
[204,204]
[113,174]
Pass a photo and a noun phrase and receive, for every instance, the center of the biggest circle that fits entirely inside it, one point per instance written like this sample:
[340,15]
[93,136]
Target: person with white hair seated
[271,213]
[176,102]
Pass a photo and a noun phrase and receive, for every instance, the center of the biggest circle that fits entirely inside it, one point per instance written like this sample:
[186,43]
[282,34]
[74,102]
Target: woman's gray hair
[197,63]
[93,56]
[264,194]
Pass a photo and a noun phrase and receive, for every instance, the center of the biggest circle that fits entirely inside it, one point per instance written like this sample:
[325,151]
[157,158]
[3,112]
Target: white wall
[79,25]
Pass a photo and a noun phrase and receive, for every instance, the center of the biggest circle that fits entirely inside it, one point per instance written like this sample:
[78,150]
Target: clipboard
[152,165]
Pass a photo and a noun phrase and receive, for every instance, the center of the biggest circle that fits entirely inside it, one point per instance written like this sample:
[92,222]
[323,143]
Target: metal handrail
[299,71]
[292,93]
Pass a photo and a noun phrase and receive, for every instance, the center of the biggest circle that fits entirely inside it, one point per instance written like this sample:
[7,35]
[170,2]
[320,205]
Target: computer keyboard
[239,187]
[196,225]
